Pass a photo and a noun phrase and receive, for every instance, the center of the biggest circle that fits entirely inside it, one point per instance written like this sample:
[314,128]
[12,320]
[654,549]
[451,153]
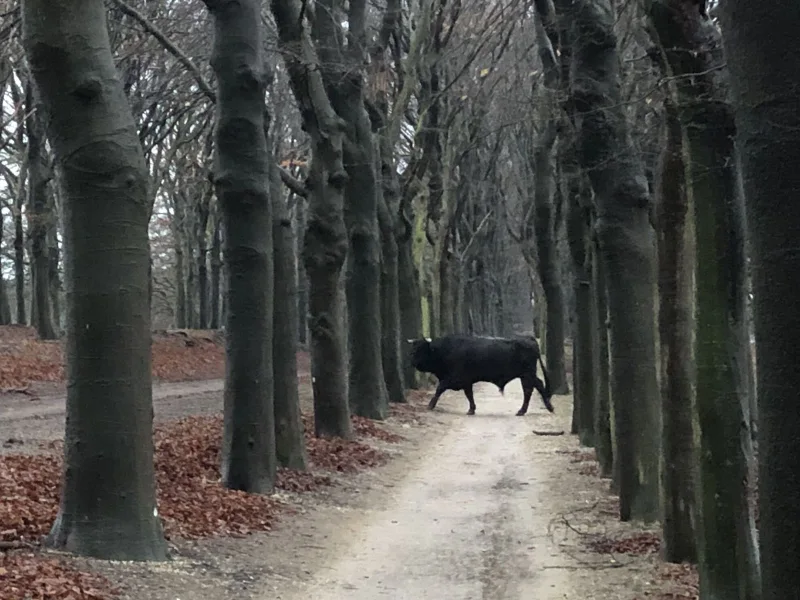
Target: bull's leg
[527,390]
[540,387]
[471,398]
[440,389]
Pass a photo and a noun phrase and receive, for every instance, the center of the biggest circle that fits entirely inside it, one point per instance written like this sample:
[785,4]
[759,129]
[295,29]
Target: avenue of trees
[344,176]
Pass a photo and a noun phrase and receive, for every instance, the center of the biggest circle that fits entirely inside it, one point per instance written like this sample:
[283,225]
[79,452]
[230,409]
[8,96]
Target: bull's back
[493,360]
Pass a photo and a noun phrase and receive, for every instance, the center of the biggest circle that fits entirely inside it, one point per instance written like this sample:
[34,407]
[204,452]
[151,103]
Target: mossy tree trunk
[693,56]
[676,330]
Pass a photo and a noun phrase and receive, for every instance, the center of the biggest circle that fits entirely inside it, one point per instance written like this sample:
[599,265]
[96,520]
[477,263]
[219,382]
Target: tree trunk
[202,263]
[325,243]
[760,47]
[19,252]
[5,307]
[543,231]
[241,179]
[108,504]
[367,387]
[38,203]
[410,301]
[693,56]
[216,272]
[676,323]
[583,332]
[290,445]
[302,280]
[180,283]
[603,435]
[627,247]
[54,277]
[390,295]
[191,282]
[584,337]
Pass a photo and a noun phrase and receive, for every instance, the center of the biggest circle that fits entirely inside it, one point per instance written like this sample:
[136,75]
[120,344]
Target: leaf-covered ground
[177,356]
[192,502]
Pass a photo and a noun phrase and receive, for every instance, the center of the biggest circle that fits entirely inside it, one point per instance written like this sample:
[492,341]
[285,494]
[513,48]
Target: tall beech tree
[241,178]
[108,504]
[764,62]
[627,247]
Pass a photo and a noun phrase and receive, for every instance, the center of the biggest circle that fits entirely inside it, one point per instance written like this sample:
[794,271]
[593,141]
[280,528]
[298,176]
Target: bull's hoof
[521,413]
[471,412]
[431,406]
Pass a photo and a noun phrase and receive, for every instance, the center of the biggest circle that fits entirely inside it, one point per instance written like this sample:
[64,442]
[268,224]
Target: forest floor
[424,505]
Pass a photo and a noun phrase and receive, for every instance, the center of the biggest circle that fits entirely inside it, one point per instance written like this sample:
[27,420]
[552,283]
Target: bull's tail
[546,379]
[548,393]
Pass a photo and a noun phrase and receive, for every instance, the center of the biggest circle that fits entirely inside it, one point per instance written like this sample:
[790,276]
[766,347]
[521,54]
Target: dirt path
[469,508]
[27,421]
[469,521]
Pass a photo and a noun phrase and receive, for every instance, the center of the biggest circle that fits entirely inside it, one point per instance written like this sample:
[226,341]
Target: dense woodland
[346,176]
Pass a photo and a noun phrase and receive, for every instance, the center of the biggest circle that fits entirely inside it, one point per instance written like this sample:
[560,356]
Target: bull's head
[423,356]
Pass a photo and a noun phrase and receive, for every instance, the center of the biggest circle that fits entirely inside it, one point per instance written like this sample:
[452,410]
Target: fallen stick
[548,432]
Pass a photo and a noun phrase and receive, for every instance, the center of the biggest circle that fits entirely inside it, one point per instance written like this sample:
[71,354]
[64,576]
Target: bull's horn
[429,340]
[410,341]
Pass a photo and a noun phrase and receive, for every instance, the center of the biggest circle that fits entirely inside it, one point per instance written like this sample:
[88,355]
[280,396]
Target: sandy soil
[475,507]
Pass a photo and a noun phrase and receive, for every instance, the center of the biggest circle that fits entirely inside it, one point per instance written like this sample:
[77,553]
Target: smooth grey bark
[388,203]
[761,53]
[343,71]
[203,215]
[543,230]
[676,323]
[627,247]
[19,251]
[290,445]
[54,277]
[326,241]
[302,280]
[38,217]
[180,283]
[584,340]
[390,294]
[604,440]
[241,179]
[108,504]
[367,386]
[216,272]
[409,296]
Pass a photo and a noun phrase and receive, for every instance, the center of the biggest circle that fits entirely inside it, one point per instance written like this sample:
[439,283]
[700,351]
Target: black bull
[460,361]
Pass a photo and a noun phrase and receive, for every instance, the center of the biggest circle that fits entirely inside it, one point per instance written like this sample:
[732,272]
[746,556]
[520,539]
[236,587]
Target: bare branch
[170,47]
